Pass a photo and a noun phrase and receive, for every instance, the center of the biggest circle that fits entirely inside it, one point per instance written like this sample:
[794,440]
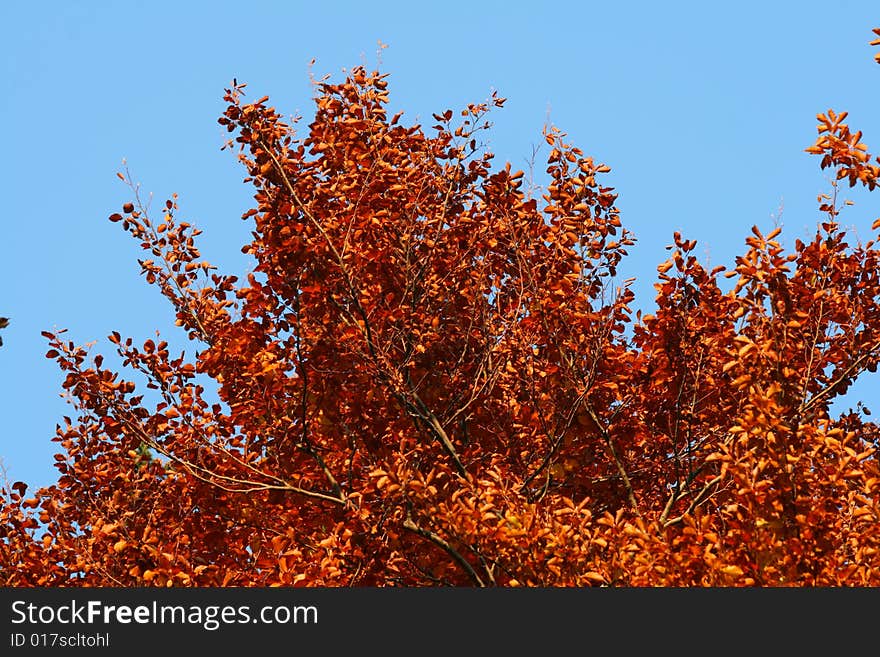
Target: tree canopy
[434,375]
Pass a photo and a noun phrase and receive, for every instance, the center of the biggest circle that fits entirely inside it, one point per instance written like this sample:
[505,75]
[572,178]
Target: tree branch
[446,547]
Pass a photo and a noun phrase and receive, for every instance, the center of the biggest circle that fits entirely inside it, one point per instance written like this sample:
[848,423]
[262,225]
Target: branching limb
[410,525]
[612,451]
[701,497]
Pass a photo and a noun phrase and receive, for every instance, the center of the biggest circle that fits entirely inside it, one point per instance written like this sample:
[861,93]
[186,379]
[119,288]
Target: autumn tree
[434,376]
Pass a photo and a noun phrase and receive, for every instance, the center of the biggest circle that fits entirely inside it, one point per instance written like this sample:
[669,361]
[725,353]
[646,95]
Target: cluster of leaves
[432,377]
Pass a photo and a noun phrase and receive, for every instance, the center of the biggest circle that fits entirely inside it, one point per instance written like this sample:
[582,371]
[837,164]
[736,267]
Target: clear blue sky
[701,109]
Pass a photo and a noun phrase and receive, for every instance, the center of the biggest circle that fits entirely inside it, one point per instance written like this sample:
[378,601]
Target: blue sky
[701,109]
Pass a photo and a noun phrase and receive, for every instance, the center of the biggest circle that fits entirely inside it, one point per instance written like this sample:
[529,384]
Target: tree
[432,376]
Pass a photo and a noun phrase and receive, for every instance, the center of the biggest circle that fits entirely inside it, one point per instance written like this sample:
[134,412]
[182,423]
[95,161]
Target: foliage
[432,376]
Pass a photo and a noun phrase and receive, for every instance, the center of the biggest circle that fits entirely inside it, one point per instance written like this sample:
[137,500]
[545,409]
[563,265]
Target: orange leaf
[595,577]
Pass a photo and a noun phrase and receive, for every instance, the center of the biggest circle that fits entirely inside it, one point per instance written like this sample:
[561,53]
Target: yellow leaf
[120,545]
[733,571]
